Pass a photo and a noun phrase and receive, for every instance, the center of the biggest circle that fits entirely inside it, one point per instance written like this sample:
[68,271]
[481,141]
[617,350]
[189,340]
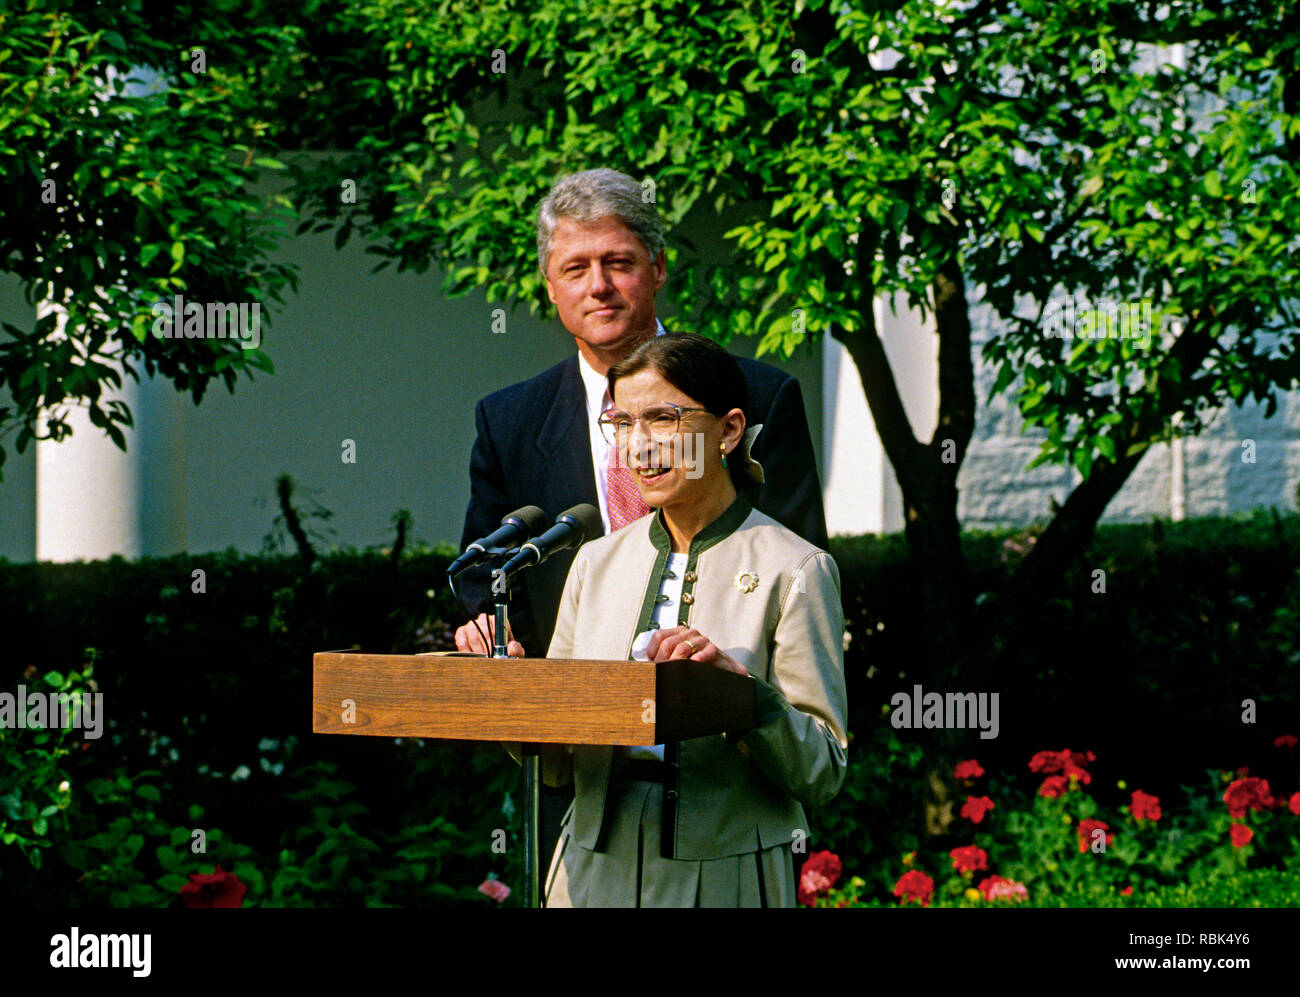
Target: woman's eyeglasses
[661,423]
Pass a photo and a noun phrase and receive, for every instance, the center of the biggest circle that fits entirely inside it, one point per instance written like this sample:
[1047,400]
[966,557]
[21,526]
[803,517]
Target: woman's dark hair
[691,364]
[694,365]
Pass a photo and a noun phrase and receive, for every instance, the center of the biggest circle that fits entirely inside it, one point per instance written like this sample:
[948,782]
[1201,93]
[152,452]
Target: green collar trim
[721,528]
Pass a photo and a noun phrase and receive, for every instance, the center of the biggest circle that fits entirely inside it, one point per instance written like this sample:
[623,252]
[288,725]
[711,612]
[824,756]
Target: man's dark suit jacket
[534,448]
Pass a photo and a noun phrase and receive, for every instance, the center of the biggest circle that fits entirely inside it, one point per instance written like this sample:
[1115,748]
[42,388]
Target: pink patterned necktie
[622,497]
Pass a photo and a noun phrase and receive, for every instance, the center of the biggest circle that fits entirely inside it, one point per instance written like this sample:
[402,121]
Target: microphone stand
[531,752]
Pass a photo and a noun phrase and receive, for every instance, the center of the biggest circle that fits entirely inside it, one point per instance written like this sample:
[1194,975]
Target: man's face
[603,283]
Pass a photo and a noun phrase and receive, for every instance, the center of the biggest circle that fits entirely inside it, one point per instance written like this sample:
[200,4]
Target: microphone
[518,525]
[572,528]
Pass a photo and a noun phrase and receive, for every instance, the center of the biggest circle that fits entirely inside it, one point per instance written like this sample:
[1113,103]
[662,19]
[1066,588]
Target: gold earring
[723,448]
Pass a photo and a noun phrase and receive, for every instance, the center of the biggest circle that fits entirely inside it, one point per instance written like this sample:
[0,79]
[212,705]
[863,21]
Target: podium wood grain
[526,699]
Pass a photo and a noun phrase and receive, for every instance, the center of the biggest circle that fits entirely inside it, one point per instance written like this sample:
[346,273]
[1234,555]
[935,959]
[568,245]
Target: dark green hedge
[1196,617]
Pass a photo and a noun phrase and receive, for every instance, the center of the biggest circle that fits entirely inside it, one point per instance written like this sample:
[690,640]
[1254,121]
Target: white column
[87,490]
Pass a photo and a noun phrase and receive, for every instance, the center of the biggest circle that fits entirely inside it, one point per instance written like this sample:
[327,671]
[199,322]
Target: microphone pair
[518,539]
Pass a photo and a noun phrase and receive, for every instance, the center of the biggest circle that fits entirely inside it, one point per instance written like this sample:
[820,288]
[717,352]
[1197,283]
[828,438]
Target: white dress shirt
[665,618]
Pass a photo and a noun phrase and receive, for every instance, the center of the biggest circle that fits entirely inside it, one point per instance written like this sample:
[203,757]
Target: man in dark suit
[601,250]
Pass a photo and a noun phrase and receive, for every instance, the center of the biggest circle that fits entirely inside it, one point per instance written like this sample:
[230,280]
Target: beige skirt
[633,873]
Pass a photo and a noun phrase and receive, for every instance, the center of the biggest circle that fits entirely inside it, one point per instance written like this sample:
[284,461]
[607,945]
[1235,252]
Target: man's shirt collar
[595,384]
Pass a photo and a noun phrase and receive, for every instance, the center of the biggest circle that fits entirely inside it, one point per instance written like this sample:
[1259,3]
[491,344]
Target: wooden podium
[530,700]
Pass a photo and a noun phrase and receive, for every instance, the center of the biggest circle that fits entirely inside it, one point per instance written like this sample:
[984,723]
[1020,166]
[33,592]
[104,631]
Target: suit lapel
[564,445]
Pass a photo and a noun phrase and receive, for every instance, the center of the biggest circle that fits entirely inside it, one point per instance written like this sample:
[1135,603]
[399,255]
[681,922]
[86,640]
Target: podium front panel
[540,700]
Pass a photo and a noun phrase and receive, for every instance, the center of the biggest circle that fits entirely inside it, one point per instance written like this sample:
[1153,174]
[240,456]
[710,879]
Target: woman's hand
[684,642]
[470,637]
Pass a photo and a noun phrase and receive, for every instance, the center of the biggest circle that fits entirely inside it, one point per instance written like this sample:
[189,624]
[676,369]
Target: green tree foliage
[128,141]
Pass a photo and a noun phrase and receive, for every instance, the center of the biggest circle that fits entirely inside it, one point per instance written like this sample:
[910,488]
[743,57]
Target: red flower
[218,889]
[1145,806]
[969,858]
[1053,786]
[1247,794]
[1126,892]
[1069,764]
[1086,829]
[819,873]
[1285,741]
[1001,888]
[1073,766]
[495,889]
[1065,761]
[968,770]
[976,807]
[1241,835]
[914,885]
[1045,761]
[1295,804]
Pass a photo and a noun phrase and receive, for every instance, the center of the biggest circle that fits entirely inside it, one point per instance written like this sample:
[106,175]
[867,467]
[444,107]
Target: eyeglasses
[661,422]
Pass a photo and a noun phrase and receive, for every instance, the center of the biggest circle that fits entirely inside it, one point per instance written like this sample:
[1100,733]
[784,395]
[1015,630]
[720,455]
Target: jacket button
[691,576]
[687,598]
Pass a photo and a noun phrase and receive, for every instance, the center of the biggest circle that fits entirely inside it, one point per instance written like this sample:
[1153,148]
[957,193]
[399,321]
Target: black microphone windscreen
[588,517]
[532,517]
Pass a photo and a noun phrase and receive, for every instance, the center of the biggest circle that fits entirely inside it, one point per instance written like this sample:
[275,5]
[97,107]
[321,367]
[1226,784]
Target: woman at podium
[712,821]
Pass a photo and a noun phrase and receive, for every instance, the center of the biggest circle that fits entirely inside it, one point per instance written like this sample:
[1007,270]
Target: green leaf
[1083,460]
[1091,186]
[172,882]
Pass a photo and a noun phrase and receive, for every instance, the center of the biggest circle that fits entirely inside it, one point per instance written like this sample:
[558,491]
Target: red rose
[1285,741]
[1086,829]
[218,889]
[1295,804]
[1241,835]
[1247,794]
[495,889]
[976,807]
[914,885]
[968,770]
[1126,892]
[969,858]
[819,873]
[1053,786]
[1145,806]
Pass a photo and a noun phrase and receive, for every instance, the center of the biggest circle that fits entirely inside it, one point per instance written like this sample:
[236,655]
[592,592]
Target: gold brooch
[747,581]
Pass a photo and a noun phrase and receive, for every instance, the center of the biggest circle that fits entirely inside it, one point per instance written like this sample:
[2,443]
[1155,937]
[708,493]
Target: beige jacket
[771,601]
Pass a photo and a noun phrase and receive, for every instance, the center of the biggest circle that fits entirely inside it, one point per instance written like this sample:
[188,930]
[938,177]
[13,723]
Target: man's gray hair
[593,194]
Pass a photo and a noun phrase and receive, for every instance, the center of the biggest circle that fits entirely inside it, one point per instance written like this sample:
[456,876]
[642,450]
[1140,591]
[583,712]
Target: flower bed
[1235,844]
